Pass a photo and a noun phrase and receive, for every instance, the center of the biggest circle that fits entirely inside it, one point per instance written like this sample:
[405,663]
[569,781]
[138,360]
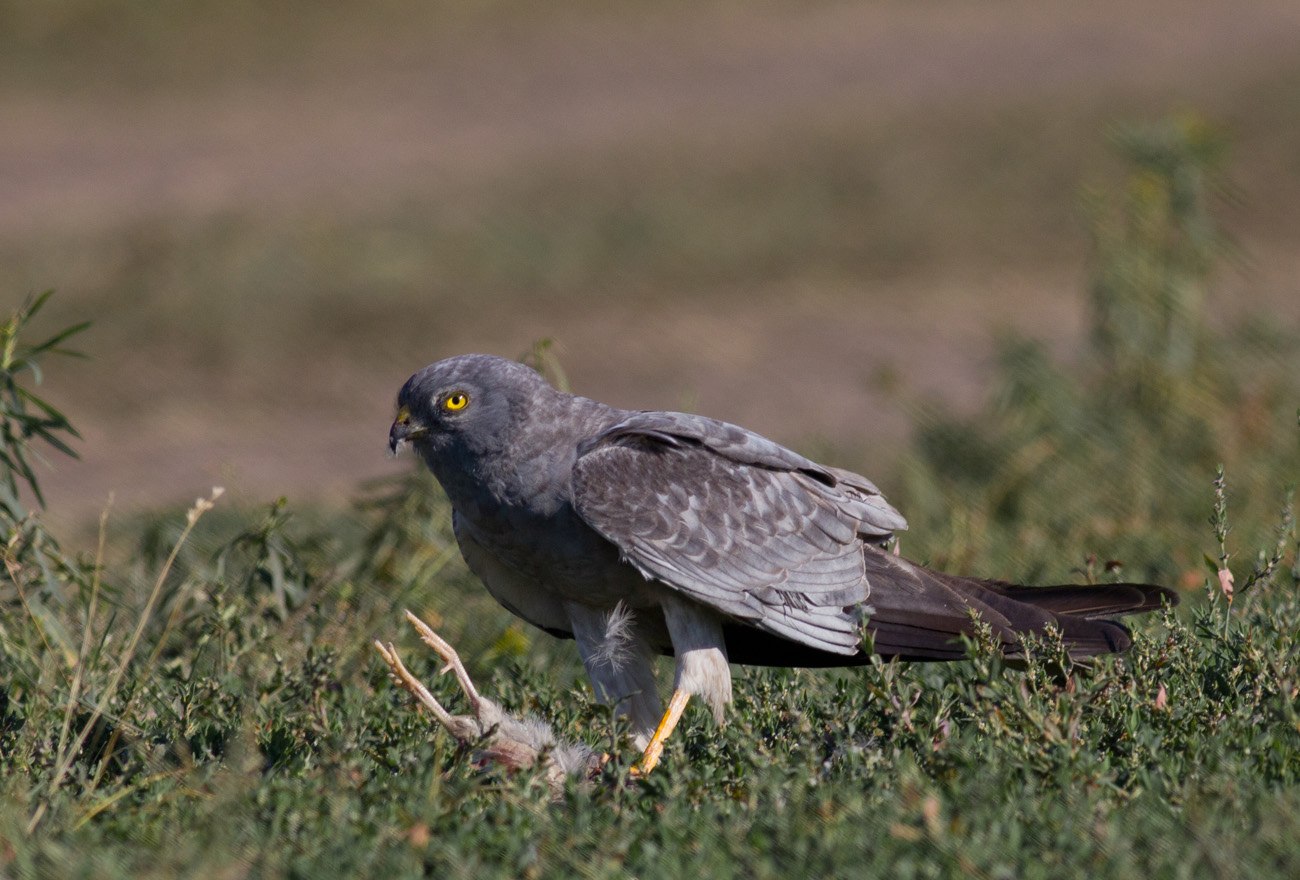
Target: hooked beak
[404,429]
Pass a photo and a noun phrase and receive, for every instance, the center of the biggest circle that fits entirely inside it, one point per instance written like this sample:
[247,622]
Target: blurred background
[812,218]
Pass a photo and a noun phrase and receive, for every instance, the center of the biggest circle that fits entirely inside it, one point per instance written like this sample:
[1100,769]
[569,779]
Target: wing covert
[737,523]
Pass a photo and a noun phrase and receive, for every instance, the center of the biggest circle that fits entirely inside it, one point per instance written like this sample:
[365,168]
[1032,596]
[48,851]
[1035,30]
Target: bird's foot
[655,748]
[498,736]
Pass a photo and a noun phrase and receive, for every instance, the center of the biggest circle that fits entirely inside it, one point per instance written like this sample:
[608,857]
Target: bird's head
[471,403]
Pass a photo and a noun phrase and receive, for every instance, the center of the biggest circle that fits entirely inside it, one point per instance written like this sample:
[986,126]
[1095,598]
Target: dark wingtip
[1092,600]
[1159,596]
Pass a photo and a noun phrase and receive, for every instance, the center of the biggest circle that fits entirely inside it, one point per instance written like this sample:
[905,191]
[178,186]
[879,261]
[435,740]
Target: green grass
[255,730]
[199,697]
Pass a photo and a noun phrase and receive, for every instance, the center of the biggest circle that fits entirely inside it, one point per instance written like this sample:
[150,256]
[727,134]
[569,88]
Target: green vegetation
[1116,452]
[200,698]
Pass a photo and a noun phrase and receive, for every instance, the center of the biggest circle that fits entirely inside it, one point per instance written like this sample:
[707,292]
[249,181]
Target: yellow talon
[655,748]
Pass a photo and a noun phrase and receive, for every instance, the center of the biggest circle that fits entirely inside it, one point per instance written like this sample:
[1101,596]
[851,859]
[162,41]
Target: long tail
[920,614]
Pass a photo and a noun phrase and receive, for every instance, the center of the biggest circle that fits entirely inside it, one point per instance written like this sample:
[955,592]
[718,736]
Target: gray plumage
[719,543]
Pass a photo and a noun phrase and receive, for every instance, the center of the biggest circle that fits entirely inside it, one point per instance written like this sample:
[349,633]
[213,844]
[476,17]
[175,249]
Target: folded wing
[737,523]
[790,551]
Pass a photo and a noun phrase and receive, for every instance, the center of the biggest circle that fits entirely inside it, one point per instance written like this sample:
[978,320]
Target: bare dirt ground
[364,128]
[363,122]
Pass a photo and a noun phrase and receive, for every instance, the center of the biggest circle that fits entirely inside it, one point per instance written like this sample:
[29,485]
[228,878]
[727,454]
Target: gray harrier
[645,533]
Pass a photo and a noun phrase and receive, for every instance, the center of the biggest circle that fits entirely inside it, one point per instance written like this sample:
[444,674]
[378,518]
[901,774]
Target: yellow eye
[455,401]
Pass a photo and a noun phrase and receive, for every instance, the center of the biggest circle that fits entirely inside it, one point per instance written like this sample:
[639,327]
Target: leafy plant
[1104,453]
[1156,246]
[25,415]
[31,556]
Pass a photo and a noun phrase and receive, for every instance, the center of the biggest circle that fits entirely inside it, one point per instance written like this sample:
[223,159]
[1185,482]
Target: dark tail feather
[1089,638]
[1100,600]
[1080,611]
[919,614]
[1084,634]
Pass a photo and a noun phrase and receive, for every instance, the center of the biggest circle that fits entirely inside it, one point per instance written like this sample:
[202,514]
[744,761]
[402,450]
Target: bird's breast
[559,553]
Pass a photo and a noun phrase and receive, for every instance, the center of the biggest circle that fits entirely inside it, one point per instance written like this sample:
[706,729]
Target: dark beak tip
[403,432]
[396,437]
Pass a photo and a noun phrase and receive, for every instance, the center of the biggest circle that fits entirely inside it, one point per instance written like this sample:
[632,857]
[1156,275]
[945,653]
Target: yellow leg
[655,748]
